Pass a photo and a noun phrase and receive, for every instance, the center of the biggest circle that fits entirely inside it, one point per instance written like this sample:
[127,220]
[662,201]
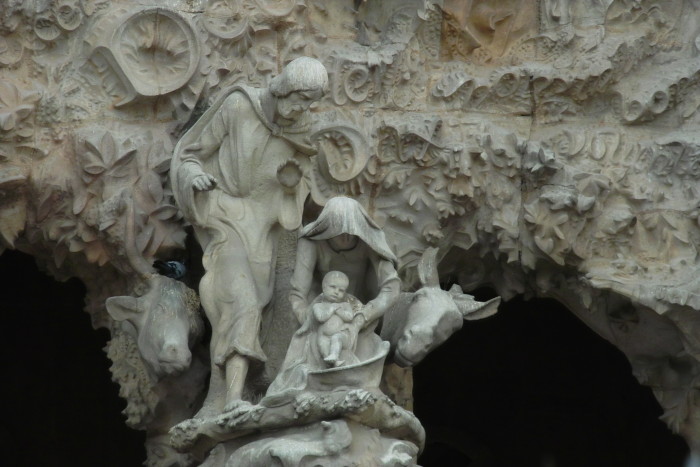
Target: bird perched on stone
[171,269]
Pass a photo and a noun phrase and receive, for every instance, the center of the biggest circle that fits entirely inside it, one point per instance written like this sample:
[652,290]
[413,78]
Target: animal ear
[123,308]
[427,268]
[472,310]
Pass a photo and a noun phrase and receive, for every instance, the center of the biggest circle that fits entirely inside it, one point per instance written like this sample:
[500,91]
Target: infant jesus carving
[339,319]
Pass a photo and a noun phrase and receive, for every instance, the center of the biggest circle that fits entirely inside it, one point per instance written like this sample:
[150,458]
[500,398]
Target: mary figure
[343,238]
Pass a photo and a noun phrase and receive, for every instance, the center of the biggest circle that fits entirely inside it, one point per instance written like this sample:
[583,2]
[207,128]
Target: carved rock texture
[544,147]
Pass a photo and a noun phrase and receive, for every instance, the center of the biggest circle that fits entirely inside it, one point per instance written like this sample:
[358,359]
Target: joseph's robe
[237,223]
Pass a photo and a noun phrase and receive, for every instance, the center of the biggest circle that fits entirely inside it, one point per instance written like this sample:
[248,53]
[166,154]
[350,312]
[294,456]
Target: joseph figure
[239,177]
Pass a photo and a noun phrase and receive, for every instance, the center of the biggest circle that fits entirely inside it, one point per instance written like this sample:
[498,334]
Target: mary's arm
[389,286]
[302,277]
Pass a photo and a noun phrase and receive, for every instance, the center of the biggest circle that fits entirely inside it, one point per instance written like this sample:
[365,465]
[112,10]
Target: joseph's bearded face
[295,104]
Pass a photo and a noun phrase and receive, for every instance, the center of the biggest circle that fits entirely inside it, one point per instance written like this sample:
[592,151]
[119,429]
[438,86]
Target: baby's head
[335,283]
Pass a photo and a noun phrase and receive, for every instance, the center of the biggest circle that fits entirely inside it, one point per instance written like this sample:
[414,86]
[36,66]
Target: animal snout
[174,358]
[420,333]
[418,339]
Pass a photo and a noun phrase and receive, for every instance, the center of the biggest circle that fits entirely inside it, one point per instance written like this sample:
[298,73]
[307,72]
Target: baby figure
[339,319]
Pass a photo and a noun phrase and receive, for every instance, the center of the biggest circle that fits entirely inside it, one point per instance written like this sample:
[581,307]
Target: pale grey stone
[544,149]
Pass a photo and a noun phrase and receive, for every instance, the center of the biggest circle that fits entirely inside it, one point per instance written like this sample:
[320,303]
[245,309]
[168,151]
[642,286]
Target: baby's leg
[337,346]
[324,346]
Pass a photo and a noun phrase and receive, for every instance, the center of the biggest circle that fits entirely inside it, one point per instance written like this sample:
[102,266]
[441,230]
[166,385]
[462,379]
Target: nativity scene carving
[241,177]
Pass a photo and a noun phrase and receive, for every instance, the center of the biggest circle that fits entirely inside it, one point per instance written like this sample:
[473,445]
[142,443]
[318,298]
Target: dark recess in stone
[529,387]
[534,387]
[59,405]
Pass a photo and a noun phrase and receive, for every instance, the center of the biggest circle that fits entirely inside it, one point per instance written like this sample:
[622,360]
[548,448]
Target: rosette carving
[152,52]
[225,19]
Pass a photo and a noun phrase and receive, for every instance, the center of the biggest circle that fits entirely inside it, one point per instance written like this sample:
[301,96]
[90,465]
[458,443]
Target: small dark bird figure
[171,269]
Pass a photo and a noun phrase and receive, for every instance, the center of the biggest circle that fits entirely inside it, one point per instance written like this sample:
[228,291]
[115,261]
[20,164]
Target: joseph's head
[334,285]
[301,83]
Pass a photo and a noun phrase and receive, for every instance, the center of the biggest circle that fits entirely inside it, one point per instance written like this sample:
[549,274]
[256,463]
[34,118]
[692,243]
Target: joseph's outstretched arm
[210,137]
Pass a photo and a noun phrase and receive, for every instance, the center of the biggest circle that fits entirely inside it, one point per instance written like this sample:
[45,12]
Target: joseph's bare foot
[237,405]
[184,435]
[208,411]
[338,363]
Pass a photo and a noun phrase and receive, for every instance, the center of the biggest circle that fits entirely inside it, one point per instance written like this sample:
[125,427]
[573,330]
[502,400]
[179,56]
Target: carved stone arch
[551,147]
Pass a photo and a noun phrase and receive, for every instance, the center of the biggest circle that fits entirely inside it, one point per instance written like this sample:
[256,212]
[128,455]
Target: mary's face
[343,242]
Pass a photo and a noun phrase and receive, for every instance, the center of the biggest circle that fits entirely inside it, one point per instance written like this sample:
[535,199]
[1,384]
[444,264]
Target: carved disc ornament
[277,7]
[225,19]
[154,51]
[157,50]
[11,50]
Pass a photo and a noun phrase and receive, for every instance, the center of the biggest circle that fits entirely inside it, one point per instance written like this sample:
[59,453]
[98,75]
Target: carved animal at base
[152,350]
[419,322]
[165,322]
[306,448]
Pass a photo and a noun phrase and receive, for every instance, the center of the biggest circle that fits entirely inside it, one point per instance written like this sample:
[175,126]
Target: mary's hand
[204,182]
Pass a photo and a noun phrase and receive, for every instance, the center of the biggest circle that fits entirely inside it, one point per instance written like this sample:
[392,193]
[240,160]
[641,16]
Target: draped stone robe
[238,222]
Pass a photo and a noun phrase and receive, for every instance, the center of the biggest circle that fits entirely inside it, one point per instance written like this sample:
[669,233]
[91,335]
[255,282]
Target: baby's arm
[359,319]
[322,312]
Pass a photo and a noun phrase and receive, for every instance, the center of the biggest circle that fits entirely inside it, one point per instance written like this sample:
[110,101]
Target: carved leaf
[397,176]
[13,217]
[121,167]
[158,159]
[152,185]
[92,158]
[144,238]
[417,195]
[106,223]
[15,105]
[47,203]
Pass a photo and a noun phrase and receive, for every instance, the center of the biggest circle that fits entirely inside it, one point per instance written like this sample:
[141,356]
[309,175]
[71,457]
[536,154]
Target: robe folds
[237,222]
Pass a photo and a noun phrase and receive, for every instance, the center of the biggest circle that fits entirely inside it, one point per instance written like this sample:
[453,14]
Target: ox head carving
[432,315]
[164,322]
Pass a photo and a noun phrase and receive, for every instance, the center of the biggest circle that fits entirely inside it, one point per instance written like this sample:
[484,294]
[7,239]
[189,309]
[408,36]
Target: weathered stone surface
[543,147]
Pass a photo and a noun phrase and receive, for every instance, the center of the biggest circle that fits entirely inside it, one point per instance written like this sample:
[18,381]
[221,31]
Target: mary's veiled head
[342,215]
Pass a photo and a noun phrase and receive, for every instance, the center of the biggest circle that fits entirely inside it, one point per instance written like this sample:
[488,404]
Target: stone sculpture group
[545,148]
[239,175]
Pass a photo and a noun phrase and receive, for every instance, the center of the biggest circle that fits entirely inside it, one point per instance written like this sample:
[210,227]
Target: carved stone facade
[539,147]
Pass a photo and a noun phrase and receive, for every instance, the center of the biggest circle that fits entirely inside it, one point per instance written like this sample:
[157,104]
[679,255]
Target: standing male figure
[238,177]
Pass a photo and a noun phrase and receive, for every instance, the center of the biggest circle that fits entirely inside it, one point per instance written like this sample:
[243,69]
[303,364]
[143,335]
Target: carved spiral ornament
[356,83]
[342,152]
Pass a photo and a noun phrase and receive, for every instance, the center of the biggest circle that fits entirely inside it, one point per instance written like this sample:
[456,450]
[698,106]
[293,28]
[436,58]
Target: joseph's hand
[204,182]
